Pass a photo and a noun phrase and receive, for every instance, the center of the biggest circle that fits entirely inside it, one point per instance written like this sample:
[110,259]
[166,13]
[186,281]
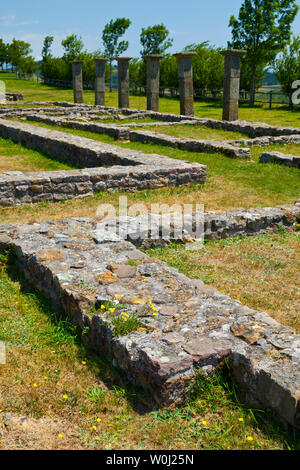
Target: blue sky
[189,21]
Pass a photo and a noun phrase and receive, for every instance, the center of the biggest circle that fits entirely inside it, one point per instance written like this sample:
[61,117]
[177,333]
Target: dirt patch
[25,433]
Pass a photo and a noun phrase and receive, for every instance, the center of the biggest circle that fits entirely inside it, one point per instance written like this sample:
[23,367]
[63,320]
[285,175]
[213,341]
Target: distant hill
[270,79]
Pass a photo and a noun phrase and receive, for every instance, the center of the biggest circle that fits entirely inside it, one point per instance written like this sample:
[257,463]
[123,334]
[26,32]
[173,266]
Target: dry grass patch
[262,272]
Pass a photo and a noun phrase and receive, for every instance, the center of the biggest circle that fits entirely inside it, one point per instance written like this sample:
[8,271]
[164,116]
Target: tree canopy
[17,51]
[73,47]
[287,67]
[263,28]
[111,35]
[46,52]
[155,40]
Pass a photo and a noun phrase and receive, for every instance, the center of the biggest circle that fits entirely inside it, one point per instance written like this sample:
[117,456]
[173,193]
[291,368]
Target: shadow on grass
[36,153]
[141,401]
[262,419]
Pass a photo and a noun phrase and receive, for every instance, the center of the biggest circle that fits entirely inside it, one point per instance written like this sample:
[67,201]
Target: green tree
[155,40]
[134,70]
[263,29]
[17,51]
[3,53]
[246,75]
[57,69]
[169,71]
[73,47]
[111,35]
[287,67]
[27,65]
[46,52]
[208,67]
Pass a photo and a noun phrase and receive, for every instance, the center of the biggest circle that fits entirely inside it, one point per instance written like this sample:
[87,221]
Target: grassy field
[72,398]
[279,115]
[15,157]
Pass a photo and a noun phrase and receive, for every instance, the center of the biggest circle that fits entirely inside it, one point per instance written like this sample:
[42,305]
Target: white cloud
[12,21]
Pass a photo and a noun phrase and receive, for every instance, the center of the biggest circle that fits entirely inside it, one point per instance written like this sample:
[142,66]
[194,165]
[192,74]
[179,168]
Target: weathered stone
[77,81]
[204,349]
[100,81]
[281,158]
[186,88]
[106,278]
[231,91]
[152,61]
[122,271]
[123,78]
[249,332]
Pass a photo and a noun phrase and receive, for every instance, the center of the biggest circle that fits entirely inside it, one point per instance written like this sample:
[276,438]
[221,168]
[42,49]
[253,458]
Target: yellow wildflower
[60,436]
[249,438]
[65,397]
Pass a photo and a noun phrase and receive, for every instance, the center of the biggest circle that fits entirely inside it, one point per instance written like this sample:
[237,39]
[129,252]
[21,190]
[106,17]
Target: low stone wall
[252,129]
[266,141]
[14,96]
[118,132]
[191,145]
[215,225]
[124,133]
[132,170]
[186,325]
[17,188]
[281,158]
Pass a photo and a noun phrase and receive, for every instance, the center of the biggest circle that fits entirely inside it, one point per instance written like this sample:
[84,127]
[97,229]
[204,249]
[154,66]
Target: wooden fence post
[271,99]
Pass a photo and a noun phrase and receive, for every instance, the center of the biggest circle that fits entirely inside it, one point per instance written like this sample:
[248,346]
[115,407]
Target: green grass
[15,157]
[197,132]
[50,375]
[279,115]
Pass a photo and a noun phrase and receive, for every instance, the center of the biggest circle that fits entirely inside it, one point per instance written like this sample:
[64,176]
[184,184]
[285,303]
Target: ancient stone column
[77,81]
[100,81]
[152,61]
[231,91]
[123,78]
[186,88]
